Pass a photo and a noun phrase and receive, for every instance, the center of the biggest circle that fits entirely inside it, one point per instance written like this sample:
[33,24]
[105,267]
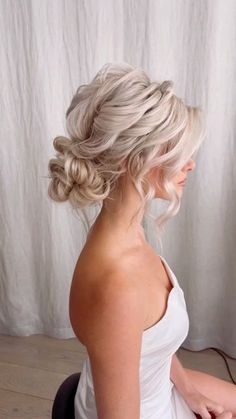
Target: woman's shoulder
[99,262]
[101,277]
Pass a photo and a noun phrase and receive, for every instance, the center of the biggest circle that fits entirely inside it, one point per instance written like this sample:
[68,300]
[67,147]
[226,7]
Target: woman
[131,140]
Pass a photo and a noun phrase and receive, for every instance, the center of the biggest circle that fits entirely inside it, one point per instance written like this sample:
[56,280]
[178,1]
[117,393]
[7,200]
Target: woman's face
[178,180]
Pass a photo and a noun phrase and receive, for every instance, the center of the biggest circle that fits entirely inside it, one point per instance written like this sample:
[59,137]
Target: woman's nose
[190,165]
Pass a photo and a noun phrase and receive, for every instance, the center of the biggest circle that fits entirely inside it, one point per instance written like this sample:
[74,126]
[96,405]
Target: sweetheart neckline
[172,280]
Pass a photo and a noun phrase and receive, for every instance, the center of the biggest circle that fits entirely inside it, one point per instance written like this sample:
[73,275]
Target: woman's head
[122,123]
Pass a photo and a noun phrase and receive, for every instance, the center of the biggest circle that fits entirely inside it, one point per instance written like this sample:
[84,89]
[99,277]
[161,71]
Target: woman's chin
[179,189]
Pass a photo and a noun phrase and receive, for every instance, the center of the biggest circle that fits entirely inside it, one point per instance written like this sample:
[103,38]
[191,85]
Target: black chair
[63,404]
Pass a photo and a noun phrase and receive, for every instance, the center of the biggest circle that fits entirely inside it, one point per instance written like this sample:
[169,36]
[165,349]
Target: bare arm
[114,325]
[179,377]
[197,402]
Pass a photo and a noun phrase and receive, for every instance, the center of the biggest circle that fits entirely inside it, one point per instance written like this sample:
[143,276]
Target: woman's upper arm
[113,341]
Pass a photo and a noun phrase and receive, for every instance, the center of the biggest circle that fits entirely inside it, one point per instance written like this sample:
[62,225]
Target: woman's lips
[182,181]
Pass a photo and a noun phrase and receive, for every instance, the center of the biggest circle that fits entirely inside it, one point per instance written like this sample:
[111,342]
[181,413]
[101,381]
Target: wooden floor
[33,367]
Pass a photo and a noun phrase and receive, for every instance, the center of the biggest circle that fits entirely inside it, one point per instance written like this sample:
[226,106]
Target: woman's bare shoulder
[99,273]
[100,257]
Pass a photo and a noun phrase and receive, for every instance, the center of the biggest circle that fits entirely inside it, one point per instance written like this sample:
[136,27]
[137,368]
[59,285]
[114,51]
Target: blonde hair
[122,122]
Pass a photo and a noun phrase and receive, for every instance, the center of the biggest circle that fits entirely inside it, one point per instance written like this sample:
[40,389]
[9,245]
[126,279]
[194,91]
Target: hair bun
[72,177]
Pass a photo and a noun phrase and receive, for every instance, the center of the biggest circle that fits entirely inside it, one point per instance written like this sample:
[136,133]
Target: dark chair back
[63,405]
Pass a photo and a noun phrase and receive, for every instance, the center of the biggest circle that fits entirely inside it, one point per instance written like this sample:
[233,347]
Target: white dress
[160,398]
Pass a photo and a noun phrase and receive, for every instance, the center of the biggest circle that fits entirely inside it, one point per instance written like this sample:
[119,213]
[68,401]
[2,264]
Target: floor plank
[22,406]
[43,353]
[32,381]
[71,344]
